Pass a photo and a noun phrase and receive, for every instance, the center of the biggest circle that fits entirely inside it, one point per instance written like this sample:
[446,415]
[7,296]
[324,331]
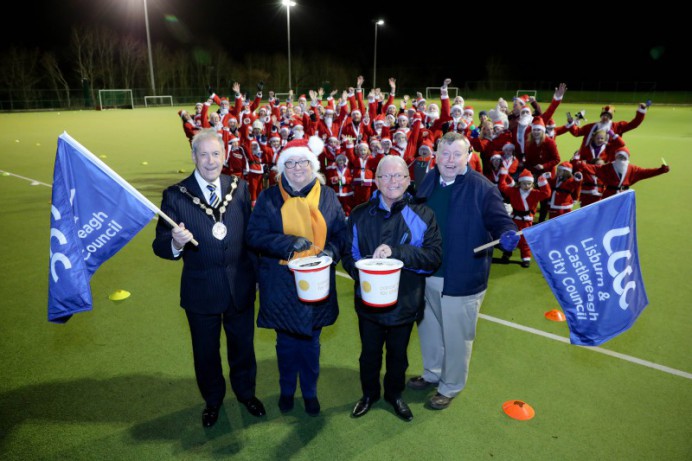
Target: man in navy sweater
[470,212]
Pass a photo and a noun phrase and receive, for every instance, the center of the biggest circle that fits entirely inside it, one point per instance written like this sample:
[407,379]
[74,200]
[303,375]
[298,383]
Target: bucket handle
[292,253]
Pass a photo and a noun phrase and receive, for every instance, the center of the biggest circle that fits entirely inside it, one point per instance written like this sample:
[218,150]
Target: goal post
[116,99]
[533,93]
[434,91]
[155,101]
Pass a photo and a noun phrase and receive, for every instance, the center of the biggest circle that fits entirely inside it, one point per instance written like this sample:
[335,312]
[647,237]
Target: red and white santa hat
[386,140]
[232,118]
[402,115]
[538,124]
[523,99]
[302,98]
[310,148]
[525,176]
[497,157]
[566,166]
[399,133]
[420,101]
[363,144]
[468,110]
[499,123]
[428,145]
[182,112]
[457,107]
[233,138]
[550,124]
[275,136]
[379,120]
[623,151]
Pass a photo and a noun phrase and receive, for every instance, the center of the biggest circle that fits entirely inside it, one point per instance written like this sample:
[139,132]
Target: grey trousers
[446,336]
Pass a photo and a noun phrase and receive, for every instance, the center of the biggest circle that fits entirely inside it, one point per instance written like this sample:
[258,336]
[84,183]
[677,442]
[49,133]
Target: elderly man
[218,280]
[470,213]
[390,225]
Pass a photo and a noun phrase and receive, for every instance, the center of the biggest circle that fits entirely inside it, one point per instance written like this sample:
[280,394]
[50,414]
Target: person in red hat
[276,147]
[423,162]
[299,217]
[566,188]
[236,160]
[619,175]
[189,126]
[364,166]
[541,156]
[340,178]
[524,200]
[606,124]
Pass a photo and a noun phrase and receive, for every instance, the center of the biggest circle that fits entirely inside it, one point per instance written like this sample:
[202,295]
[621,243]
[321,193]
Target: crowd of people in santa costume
[513,147]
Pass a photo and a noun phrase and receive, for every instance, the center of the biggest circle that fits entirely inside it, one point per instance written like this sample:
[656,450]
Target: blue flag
[590,261]
[94,213]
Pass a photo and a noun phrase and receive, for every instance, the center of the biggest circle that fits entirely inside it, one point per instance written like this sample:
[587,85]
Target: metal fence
[12,100]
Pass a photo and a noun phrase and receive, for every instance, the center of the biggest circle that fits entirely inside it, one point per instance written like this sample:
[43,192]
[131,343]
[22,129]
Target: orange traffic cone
[518,410]
[555,315]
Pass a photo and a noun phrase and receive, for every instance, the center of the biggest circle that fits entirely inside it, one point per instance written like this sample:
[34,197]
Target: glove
[301,244]
[509,241]
[475,133]
[210,90]
[260,85]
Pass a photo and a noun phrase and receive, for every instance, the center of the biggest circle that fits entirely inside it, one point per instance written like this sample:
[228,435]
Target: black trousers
[205,330]
[374,337]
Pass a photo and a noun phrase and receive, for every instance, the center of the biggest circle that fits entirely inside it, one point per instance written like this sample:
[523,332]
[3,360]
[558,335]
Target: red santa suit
[363,178]
[542,157]
[341,180]
[613,182]
[236,161]
[618,128]
[256,155]
[564,191]
[524,204]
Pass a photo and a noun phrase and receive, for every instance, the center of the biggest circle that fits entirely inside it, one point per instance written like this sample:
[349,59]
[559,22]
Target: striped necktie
[213,198]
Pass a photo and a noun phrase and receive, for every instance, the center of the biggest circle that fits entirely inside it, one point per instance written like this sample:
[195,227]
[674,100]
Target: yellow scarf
[302,217]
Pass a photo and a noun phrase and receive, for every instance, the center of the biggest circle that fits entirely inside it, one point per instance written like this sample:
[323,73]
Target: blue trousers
[298,357]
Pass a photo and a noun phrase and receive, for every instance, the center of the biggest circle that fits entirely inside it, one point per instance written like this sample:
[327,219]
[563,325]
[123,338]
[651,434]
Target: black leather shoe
[209,416]
[362,406]
[254,407]
[312,406]
[401,409]
[285,403]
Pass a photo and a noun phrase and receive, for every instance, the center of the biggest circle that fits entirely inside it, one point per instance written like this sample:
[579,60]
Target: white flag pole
[117,178]
[489,244]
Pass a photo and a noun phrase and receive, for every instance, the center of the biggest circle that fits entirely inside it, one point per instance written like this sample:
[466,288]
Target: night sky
[586,42]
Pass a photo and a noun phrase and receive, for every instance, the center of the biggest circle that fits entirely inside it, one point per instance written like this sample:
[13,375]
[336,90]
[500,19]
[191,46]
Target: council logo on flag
[589,259]
[94,213]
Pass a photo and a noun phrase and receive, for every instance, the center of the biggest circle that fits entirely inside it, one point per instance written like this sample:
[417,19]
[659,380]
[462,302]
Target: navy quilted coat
[280,308]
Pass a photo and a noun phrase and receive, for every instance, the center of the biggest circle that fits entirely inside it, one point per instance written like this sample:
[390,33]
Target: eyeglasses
[395,177]
[290,164]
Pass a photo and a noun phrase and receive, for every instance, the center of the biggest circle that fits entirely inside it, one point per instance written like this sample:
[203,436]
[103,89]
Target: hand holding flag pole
[492,244]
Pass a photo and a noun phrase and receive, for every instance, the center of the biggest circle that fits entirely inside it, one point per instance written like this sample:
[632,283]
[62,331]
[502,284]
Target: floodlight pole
[151,61]
[379,22]
[288,4]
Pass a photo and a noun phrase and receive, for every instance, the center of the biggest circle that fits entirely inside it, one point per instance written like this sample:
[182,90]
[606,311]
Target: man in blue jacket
[391,225]
[470,212]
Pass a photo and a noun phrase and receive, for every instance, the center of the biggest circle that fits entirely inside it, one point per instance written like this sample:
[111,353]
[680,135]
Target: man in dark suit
[218,279]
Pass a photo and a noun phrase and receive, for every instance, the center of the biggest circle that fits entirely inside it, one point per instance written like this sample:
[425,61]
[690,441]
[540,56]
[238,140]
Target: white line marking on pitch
[33,181]
[562,339]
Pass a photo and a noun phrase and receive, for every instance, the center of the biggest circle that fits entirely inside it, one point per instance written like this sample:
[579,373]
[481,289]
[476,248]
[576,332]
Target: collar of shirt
[444,183]
[203,186]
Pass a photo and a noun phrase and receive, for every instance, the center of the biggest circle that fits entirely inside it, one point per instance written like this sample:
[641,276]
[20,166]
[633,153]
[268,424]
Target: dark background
[580,43]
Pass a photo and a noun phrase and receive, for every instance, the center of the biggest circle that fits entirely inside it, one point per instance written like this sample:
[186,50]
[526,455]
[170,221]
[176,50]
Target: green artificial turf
[118,382]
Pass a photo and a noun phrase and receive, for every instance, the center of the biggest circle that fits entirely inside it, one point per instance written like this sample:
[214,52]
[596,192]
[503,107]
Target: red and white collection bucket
[312,277]
[379,281]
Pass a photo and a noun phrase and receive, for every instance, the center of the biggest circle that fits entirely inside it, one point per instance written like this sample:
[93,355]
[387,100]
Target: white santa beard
[524,120]
[621,166]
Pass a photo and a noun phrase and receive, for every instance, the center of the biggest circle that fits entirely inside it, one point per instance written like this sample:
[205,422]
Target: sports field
[118,382]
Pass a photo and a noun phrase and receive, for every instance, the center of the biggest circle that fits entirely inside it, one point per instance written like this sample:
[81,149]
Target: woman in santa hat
[298,217]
